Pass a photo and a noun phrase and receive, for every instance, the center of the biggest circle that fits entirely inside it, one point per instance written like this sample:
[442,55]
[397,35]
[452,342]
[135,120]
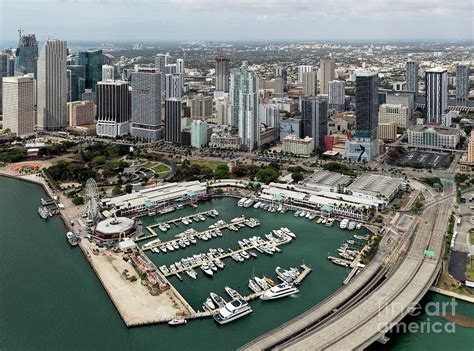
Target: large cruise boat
[278,291]
[232,310]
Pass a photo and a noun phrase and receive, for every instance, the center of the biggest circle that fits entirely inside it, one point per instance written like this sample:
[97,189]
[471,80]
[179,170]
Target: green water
[50,298]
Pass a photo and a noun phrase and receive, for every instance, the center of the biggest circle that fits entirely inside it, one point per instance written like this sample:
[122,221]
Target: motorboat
[359,225]
[219,263]
[175,245]
[232,293]
[351,225]
[279,291]
[170,247]
[283,275]
[207,270]
[344,223]
[212,266]
[244,254]
[302,213]
[209,304]
[192,273]
[254,286]
[177,321]
[231,311]
[261,283]
[219,301]
[163,248]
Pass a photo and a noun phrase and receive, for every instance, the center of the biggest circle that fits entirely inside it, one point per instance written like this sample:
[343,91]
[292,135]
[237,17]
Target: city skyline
[239,20]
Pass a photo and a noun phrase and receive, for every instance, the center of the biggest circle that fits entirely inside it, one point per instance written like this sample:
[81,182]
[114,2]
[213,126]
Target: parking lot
[424,159]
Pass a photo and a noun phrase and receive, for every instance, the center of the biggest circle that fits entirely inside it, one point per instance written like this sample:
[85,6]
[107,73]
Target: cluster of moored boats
[349,250]
[257,284]
[44,212]
[72,238]
[328,222]
[351,225]
[188,220]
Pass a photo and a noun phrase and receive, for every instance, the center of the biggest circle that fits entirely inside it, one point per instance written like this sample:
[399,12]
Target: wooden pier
[303,274]
[350,275]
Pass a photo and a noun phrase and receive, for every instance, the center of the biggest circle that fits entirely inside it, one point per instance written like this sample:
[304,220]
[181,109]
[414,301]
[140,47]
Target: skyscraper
[52,86]
[462,82]
[26,55]
[113,108]
[92,60]
[301,70]
[19,104]
[201,106]
[281,72]
[180,71]
[327,73]
[436,93]
[173,114]
[199,133]
[364,146]
[3,73]
[269,114]
[108,72]
[173,86]
[243,106]
[146,105]
[77,81]
[160,64]
[222,73]
[411,76]
[314,115]
[337,95]
[310,83]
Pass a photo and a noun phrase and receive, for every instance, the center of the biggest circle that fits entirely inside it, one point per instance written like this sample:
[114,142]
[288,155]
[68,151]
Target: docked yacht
[177,321]
[261,283]
[241,202]
[359,225]
[279,291]
[219,263]
[283,275]
[231,311]
[257,204]
[344,223]
[351,225]
[209,304]
[254,286]
[206,269]
[219,301]
[232,293]
[330,222]
[192,273]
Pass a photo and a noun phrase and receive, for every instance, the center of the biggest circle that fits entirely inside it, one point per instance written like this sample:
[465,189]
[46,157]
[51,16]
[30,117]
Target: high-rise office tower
[160,64]
[243,106]
[199,133]
[269,114]
[19,104]
[52,86]
[436,93]
[327,67]
[222,73]
[364,146]
[113,108]
[201,106]
[10,65]
[314,115]
[173,86]
[3,73]
[146,105]
[180,71]
[26,54]
[77,81]
[108,72]
[302,69]
[173,114]
[367,104]
[462,82]
[411,76]
[279,87]
[337,95]
[281,72]
[310,83]
[171,68]
[92,60]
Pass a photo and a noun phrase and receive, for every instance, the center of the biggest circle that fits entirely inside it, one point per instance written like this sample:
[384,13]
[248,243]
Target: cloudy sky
[160,20]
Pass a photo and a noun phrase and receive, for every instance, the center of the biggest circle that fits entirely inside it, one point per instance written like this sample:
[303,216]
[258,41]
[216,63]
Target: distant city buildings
[52,86]
[269,114]
[173,86]
[243,107]
[411,76]
[113,108]
[3,73]
[364,146]
[281,75]
[146,105]
[436,94]
[19,104]
[327,73]
[173,114]
[225,141]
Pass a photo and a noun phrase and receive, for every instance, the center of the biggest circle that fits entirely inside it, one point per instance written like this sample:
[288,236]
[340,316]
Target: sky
[247,20]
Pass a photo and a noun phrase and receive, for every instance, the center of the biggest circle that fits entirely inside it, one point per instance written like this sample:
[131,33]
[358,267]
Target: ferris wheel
[92,209]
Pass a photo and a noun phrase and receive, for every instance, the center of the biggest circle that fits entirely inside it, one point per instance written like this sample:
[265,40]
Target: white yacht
[344,223]
[278,291]
[351,225]
[241,202]
[231,311]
